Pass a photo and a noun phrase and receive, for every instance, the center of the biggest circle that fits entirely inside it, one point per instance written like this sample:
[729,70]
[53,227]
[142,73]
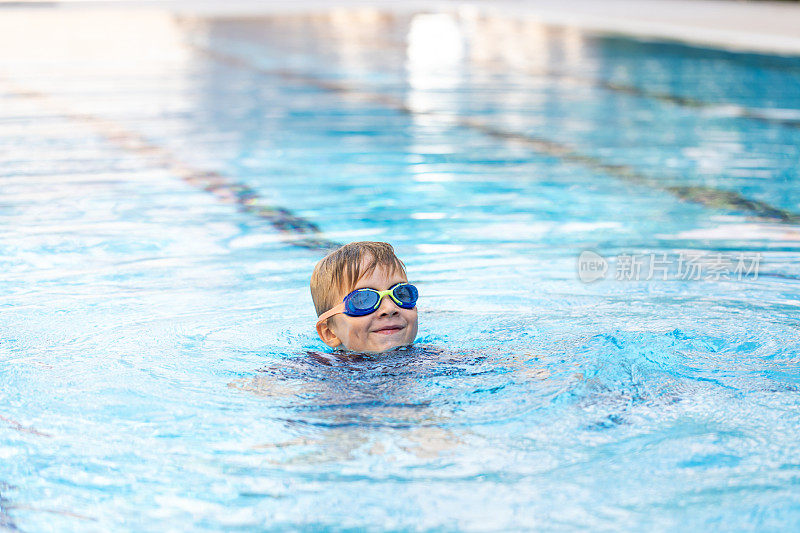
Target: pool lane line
[731,109]
[50,511]
[6,522]
[722,199]
[13,424]
[294,229]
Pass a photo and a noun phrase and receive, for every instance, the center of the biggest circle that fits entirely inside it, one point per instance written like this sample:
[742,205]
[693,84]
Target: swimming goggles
[362,302]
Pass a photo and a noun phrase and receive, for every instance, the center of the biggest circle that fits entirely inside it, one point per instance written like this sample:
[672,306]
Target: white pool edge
[760,27]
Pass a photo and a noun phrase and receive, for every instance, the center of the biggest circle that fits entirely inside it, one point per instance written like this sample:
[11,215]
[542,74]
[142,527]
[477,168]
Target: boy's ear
[327,335]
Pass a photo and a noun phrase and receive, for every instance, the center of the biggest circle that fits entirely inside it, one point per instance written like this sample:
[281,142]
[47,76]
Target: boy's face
[388,327]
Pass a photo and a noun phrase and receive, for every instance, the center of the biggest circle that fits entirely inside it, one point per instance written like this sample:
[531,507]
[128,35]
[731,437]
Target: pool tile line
[707,196]
[293,229]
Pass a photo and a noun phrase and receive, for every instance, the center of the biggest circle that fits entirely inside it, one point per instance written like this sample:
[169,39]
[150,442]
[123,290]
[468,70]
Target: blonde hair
[339,271]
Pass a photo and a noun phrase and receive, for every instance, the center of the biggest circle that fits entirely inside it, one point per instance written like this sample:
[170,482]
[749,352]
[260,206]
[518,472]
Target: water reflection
[552,91]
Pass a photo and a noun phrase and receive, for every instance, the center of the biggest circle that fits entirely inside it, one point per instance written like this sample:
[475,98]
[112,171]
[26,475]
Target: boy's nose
[389,308]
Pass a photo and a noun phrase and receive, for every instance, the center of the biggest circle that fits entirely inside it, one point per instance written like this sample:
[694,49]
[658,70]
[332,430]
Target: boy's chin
[381,348]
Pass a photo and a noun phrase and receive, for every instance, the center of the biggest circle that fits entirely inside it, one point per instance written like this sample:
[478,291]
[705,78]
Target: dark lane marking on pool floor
[708,196]
[60,512]
[6,522]
[727,109]
[731,110]
[13,424]
[295,230]
[722,199]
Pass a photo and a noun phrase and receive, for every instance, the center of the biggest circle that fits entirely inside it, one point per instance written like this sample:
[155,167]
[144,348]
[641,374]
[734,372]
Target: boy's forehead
[381,278]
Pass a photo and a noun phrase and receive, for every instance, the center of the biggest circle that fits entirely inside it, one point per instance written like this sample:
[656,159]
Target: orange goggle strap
[335,310]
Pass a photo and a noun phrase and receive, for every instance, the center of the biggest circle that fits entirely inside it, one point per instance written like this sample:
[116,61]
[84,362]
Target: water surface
[168,184]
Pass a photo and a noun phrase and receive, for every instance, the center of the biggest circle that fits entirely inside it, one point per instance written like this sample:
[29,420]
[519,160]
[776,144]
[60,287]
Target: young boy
[363,299]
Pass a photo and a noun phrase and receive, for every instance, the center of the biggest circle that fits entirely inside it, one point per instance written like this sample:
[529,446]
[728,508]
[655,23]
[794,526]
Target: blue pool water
[168,184]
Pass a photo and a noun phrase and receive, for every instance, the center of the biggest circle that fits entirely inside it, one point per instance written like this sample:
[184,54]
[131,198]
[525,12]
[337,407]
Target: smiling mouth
[388,330]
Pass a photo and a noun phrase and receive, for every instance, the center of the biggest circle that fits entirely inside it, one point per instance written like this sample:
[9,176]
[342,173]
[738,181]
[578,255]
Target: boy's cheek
[353,329]
[413,325]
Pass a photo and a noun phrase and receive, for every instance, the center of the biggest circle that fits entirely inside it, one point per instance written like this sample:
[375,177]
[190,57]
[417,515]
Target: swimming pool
[169,183]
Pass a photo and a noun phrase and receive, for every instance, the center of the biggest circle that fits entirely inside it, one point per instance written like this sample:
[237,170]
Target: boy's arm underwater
[276,380]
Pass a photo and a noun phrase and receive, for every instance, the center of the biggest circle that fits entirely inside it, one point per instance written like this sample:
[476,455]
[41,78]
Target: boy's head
[354,266]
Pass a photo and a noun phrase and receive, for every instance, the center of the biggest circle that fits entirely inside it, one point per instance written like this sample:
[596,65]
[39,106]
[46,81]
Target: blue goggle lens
[361,302]
[406,294]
